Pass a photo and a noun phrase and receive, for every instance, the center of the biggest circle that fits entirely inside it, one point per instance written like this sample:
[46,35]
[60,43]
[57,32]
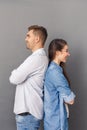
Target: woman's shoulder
[53,70]
[54,67]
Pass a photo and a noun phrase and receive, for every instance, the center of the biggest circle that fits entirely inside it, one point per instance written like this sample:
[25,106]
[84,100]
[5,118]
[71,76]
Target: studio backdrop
[65,19]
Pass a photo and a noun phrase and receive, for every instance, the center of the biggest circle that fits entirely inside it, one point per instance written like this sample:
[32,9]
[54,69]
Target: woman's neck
[56,61]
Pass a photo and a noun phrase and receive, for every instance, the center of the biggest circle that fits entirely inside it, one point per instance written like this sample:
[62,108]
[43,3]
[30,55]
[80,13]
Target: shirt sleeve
[62,86]
[26,69]
[68,98]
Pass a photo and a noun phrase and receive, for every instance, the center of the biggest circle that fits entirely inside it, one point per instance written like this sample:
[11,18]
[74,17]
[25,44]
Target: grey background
[65,19]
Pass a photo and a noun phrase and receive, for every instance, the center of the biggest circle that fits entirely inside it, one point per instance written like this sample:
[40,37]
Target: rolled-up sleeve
[68,98]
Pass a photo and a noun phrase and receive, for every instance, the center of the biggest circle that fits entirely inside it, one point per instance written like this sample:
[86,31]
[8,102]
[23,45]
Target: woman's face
[64,53]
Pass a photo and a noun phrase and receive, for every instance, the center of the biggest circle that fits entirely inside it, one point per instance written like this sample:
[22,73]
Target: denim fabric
[56,91]
[28,122]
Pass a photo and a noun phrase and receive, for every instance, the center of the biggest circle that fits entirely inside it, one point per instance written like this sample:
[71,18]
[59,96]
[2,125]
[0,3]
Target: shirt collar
[58,66]
[38,51]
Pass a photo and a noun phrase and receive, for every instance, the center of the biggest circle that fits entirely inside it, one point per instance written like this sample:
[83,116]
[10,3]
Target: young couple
[38,74]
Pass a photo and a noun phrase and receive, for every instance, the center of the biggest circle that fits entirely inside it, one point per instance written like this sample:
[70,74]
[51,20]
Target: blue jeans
[27,122]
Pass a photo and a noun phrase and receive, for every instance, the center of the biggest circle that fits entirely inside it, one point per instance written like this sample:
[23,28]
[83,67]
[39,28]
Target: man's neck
[36,48]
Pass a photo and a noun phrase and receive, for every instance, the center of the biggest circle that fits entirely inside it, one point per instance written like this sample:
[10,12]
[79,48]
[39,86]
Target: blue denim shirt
[56,92]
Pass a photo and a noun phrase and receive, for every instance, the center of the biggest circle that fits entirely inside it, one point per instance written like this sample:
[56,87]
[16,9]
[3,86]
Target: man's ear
[37,39]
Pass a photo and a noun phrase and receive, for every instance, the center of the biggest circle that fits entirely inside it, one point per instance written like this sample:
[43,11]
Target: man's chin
[27,47]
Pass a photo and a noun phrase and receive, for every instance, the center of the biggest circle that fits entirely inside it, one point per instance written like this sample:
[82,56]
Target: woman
[57,92]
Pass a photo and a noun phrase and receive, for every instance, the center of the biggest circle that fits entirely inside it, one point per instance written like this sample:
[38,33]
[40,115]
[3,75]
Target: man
[29,78]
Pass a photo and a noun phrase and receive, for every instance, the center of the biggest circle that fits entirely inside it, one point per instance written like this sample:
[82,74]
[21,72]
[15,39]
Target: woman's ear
[57,53]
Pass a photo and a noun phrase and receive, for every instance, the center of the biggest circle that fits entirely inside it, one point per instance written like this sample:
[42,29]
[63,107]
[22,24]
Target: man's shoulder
[36,59]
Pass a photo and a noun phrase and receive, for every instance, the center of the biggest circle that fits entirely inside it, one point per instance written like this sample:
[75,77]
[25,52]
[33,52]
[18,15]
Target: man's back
[29,92]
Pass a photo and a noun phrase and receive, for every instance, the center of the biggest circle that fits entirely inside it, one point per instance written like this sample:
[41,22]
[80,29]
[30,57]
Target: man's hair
[39,30]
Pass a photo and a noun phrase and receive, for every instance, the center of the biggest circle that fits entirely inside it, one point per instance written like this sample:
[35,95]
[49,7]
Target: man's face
[30,40]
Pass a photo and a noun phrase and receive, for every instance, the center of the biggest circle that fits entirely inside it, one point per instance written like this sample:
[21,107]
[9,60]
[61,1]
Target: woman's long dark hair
[57,45]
